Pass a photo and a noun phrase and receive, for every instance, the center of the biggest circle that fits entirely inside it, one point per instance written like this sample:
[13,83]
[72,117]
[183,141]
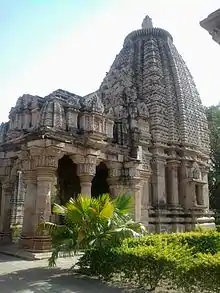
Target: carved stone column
[134,183]
[86,169]
[205,189]
[158,182]
[173,185]
[29,220]
[41,165]
[145,201]
[116,186]
[45,185]
[5,218]
[136,190]
[186,193]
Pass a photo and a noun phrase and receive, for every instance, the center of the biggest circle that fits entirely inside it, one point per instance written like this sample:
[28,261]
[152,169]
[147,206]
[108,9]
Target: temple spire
[147,23]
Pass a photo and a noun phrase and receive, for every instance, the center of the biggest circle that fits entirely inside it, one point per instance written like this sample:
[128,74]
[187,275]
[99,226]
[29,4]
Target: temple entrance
[99,182]
[68,183]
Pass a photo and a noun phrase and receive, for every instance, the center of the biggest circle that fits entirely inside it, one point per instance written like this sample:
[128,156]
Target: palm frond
[107,210]
[123,203]
[48,226]
[59,209]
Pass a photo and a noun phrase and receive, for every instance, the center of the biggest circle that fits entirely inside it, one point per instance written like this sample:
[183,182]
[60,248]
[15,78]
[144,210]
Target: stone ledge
[14,250]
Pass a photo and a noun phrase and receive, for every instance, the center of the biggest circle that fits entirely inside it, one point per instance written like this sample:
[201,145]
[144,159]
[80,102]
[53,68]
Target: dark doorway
[99,182]
[68,183]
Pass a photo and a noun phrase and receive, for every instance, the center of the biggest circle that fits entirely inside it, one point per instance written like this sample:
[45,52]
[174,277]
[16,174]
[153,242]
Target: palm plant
[91,223]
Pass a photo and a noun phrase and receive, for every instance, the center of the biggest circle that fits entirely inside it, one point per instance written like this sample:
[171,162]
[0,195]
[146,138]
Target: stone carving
[146,112]
[93,103]
[39,157]
[147,23]
[114,172]
[86,169]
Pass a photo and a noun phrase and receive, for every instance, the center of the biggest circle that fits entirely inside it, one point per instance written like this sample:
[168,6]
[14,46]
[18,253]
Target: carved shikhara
[145,122]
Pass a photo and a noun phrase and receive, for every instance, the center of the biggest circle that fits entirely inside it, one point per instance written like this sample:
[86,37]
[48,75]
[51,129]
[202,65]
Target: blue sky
[69,44]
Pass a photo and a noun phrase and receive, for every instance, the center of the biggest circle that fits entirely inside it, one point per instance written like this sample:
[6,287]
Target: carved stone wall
[145,122]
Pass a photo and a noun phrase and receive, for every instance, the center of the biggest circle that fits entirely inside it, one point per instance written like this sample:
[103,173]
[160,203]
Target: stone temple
[143,132]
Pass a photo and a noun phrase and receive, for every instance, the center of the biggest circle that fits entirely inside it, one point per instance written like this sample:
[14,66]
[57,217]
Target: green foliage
[145,266]
[16,231]
[187,261]
[201,273]
[204,242]
[149,266]
[213,116]
[91,222]
[100,262]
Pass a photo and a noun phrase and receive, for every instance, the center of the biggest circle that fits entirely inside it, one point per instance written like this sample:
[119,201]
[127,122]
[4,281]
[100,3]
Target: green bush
[151,266]
[218,228]
[100,262]
[186,261]
[201,274]
[199,242]
[145,266]
[90,223]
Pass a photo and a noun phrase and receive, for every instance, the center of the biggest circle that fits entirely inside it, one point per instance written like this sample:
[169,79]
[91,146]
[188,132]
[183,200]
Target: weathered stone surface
[212,25]
[146,123]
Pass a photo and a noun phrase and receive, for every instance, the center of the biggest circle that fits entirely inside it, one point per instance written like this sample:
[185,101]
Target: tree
[91,223]
[213,116]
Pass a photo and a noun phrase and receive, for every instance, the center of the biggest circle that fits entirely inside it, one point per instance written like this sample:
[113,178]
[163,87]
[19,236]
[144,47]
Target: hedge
[201,273]
[199,242]
[182,261]
[145,266]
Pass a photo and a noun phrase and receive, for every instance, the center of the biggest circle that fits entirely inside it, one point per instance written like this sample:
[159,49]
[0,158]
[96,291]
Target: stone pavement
[22,276]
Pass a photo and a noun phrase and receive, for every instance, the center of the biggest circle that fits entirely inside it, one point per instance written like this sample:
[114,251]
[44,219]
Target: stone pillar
[29,220]
[158,182]
[5,216]
[45,185]
[86,185]
[39,165]
[134,183]
[136,189]
[116,186]
[86,169]
[173,190]
[205,188]
[18,200]
[186,195]
[145,202]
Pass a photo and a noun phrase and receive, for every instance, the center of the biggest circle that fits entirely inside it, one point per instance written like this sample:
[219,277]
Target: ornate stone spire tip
[147,22]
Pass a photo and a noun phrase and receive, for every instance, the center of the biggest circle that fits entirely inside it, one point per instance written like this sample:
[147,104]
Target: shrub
[145,266]
[218,228]
[91,223]
[186,261]
[100,262]
[200,242]
[201,273]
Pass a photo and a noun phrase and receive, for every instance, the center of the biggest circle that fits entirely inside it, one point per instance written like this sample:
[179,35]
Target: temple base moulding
[36,243]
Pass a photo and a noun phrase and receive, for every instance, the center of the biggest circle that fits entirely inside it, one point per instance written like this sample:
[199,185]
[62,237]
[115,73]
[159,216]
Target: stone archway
[68,183]
[99,182]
